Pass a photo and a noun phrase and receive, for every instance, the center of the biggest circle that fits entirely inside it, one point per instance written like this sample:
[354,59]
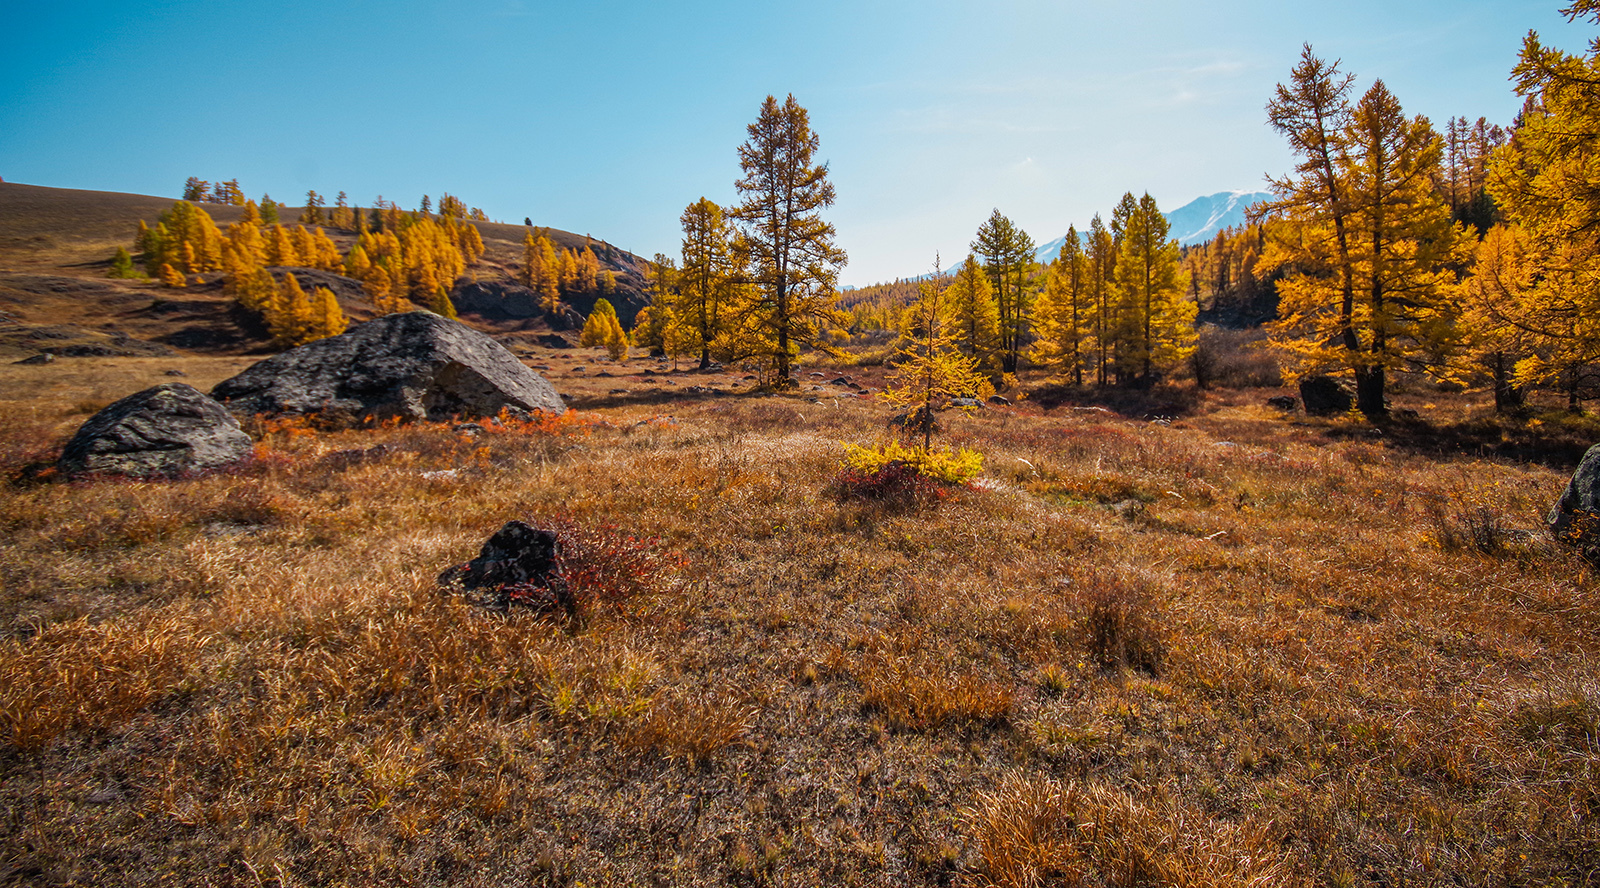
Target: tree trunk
[1508,397]
[1369,392]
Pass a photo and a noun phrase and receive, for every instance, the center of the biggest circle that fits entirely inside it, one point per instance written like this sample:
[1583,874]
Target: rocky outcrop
[414,366]
[171,429]
[502,301]
[1577,512]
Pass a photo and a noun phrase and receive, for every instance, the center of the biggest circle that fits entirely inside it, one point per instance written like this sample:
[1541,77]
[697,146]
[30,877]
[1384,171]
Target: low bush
[895,482]
[604,566]
[1121,626]
[945,466]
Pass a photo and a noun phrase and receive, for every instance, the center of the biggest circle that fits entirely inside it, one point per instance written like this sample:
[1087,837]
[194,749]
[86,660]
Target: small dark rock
[175,373]
[920,421]
[1128,509]
[1325,396]
[843,380]
[40,358]
[518,565]
[470,429]
[1286,403]
[1001,400]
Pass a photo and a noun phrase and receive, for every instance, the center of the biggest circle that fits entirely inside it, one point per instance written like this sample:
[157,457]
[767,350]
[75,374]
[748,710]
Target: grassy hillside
[56,246]
[1228,648]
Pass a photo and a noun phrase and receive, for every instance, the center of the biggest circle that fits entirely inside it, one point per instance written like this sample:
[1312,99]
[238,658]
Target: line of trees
[1390,248]
[1469,256]
[757,280]
[198,190]
[404,258]
[1113,307]
[558,274]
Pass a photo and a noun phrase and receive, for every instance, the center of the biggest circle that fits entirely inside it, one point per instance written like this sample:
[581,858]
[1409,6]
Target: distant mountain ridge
[1195,222]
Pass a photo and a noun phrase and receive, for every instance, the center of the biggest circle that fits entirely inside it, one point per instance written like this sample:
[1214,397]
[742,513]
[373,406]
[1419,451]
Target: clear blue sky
[610,117]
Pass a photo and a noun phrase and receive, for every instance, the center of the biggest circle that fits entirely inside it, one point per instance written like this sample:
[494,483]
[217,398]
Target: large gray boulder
[415,365]
[172,429]
[1582,497]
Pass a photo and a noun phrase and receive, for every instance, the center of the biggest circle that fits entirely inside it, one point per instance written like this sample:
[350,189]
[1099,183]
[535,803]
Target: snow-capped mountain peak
[1196,221]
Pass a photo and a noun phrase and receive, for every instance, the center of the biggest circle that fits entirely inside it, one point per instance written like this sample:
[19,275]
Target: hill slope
[56,245]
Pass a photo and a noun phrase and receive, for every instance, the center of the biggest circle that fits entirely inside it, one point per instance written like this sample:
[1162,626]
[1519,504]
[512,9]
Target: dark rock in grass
[967,403]
[1325,396]
[40,358]
[175,373]
[518,565]
[1286,403]
[1128,509]
[1000,400]
[920,421]
[172,429]
[415,365]
[1575,517]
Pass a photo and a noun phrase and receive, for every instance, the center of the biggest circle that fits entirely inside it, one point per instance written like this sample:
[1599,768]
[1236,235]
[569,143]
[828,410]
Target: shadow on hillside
[650,396]
[1558,442]
[1161,401]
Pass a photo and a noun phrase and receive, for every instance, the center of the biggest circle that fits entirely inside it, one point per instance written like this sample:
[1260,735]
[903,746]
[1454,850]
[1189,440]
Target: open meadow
[1213,646]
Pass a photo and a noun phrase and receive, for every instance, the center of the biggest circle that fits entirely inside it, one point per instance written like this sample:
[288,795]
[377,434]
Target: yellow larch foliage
[293,321]
[568,271]
[328,317]
[356,263]
[305,246]
[530,258]
[327,252]
[281,250]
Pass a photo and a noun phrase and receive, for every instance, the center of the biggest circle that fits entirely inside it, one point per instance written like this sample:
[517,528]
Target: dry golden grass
[1233,648]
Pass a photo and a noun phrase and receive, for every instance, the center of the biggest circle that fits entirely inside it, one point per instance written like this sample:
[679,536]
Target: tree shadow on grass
[1156,402]
[1558,441]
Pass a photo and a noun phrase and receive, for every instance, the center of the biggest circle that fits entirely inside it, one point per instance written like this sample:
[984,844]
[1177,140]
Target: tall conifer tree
[793,260]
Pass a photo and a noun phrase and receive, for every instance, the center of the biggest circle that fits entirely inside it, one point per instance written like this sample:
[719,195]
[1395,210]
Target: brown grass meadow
[1227,647]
